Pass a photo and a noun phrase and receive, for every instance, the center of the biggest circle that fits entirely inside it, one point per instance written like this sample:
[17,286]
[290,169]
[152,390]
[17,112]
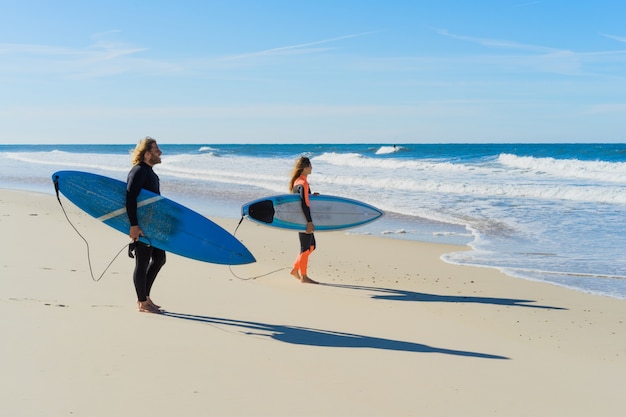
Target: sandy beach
[393,330]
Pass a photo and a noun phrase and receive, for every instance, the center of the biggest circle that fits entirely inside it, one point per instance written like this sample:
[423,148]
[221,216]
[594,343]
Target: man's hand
[135,232]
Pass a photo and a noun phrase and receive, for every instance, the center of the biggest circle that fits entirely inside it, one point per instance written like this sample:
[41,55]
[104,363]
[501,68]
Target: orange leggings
[307,246]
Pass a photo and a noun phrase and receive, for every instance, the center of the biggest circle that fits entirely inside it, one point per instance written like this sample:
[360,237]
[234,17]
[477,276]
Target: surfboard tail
[262,211]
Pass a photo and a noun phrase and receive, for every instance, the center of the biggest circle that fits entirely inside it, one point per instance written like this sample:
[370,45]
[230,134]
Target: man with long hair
[148,259]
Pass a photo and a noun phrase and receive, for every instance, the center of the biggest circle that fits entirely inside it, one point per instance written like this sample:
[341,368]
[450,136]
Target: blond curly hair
[142,147]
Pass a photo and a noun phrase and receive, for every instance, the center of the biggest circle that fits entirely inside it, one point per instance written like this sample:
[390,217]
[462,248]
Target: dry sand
[394,331]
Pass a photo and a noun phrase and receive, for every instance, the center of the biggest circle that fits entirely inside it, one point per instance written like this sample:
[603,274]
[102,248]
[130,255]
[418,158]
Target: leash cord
[93,278]
[254,277]
[56,187]
[230,267]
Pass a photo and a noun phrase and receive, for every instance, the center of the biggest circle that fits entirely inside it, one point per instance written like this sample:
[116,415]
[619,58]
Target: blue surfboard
[328,212]
[166,224]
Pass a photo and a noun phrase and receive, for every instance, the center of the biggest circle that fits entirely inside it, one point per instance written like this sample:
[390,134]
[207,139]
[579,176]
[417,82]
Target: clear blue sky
[383,71]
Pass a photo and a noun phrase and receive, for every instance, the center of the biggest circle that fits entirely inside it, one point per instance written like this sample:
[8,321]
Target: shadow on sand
[402,295]
[325,338]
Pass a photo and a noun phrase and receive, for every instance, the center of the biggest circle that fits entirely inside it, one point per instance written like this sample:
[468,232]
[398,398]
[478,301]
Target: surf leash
[239,224]
[56,189]
[230,267]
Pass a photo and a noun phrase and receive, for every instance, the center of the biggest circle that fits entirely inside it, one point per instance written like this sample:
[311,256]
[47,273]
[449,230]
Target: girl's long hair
[301,163]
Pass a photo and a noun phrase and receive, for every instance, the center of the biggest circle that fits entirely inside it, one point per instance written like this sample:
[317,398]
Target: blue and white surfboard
[166,224]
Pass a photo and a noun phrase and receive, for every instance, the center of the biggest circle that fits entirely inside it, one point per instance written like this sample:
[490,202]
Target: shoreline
[393,330]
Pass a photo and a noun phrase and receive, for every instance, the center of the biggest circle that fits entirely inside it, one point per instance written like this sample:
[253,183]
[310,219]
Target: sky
[337,71]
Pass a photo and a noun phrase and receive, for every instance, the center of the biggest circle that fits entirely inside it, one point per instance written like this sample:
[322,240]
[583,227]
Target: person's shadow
[328,338]
[402,295]
[325,338]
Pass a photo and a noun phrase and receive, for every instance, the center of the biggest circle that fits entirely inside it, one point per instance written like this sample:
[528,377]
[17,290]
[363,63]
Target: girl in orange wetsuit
[299,184]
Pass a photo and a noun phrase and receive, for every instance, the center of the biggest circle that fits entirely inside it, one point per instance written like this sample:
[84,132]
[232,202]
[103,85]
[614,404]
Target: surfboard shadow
[402,295]
[325,338]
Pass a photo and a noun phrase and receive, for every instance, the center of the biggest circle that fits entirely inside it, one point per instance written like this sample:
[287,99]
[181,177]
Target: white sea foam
[383,150]
[614,172]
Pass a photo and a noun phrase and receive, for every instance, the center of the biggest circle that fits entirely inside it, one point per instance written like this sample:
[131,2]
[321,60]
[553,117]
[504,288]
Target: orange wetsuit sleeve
[301,186]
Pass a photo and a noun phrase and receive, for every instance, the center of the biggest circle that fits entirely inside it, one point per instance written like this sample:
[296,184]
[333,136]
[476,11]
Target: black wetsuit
[148,259]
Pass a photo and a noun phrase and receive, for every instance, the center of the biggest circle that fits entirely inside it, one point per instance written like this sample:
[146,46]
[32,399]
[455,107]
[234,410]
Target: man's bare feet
[146,307]
[296,274]
[149,301]
[306,280]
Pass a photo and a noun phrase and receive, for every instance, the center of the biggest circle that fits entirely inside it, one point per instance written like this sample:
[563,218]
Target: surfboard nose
[244,257]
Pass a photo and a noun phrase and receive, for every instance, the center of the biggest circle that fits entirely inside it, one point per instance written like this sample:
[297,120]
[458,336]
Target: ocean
[546,212]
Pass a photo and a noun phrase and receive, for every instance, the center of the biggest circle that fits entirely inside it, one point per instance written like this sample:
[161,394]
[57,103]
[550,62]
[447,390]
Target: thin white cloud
[298,49]
[105,57]
[497,43]
[617,38]
[543,58]
[101,49]
[101,58]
